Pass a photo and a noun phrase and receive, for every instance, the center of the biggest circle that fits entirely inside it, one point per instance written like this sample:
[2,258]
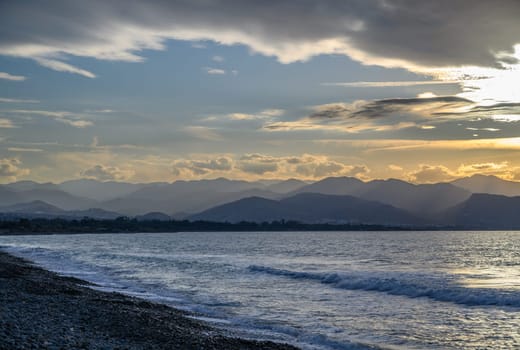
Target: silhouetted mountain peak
[483,210]
[488,184]
[309,208]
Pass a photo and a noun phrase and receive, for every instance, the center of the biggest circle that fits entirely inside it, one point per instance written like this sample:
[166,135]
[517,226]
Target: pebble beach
[42,310]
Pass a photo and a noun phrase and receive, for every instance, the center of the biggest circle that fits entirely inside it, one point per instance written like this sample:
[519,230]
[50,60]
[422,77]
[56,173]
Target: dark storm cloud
[406,33]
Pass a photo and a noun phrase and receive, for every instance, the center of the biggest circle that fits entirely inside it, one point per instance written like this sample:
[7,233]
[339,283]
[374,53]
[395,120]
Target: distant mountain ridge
[309,208]
[454,203]
[488,184]
[419,199]
[21,193]
[42,209]
[97,190]
[185,196]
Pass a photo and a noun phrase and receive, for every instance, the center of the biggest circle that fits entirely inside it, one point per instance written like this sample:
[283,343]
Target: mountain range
[477,201]
[310,208]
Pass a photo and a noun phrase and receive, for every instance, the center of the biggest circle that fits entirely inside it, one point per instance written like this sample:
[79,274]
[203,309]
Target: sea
[316,290]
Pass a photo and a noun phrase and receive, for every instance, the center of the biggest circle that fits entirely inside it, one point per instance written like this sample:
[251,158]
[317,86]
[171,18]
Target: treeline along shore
[42,310]
[127,225]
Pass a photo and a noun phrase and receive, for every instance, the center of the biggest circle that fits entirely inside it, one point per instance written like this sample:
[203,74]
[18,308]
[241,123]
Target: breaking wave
[402,284]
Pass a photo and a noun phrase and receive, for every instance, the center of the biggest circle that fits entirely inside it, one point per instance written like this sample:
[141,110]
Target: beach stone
[41,310]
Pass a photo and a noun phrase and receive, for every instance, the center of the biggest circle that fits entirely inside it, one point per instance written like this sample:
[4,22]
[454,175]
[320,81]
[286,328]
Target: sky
[145,91]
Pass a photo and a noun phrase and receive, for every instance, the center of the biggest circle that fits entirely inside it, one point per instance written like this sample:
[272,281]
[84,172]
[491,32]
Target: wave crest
[404,284]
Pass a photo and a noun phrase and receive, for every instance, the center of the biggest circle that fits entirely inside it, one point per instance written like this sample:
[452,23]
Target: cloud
[7,76]
[391,145]
[217,58]
[106,173]
[394,167]
[369,84]
[273,112]
[336,126]
[427,94]
[241,116]
[16,100]
[482,168]
[432,174]
[483,129]
[319,168]
[393,33]
[203,133]
[10,169]
[69,118]
[6,124]
[63,67]
[306,166]
[376,115]
[383,108]
[506,118]
[202,167]
[23,149]
[397,113]
[439,173]
[257,166]
[76,123]
[214,71]
[265,114]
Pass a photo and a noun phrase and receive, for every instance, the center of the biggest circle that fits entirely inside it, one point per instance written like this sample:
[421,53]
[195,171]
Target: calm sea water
[319,290]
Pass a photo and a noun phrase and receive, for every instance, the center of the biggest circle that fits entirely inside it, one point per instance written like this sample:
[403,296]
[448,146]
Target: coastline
[41,310]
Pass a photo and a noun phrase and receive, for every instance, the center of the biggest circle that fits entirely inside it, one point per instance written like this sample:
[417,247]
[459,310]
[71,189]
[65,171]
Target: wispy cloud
[337,126]
[76,123]
[369,84]
[265,114]
[198,45]
[214,71]
[69,118]
[63,67]
[16,100]
[217,58]
[391,145]
[6,124]
[204,133]
[484,129]
[7,76]
[22,149]
[242,116]
[394,114]
[376,115]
